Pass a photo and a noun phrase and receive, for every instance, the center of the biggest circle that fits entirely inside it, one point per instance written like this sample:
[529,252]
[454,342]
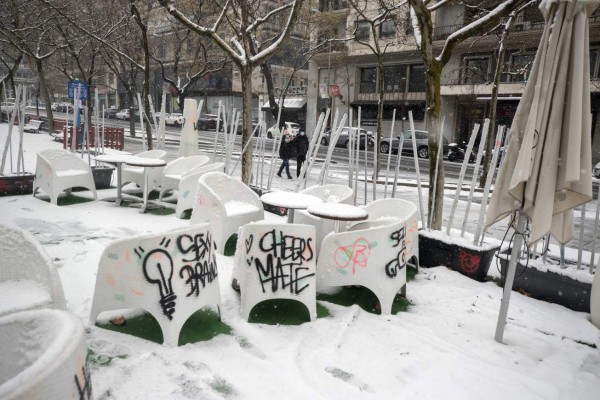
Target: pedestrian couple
[290,148]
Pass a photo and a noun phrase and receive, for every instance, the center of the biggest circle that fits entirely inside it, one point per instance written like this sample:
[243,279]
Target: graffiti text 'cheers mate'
[284,262]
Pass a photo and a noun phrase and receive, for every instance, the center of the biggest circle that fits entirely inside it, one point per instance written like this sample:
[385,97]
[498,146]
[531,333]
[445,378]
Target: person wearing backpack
[301,144]
[285,153]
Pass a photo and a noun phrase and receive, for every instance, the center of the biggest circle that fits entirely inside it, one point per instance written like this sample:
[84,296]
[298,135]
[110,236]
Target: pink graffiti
[353,255]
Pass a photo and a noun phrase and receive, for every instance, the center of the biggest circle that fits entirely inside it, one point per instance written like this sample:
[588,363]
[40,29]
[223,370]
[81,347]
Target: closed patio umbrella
[547,168]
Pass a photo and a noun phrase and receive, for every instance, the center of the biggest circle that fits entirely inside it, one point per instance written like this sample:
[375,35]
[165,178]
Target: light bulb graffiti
[158,269]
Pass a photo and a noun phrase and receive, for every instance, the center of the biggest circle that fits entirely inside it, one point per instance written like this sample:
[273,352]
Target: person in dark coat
[301,143]
[285,153]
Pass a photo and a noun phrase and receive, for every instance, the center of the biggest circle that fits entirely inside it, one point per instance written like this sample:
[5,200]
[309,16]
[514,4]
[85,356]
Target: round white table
[117,160]
[146,163]
[338,212]
[290,200]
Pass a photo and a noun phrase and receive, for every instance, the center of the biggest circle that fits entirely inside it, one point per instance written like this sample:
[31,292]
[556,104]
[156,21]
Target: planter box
[16,184]
[102,176]
[544,284]
[470,261]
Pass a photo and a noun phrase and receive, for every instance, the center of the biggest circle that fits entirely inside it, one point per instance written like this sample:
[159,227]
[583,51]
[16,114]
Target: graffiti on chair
[282,261]
[398,240]
[412,233]
[200,255]
[83,381]
[349,257]
[158,270]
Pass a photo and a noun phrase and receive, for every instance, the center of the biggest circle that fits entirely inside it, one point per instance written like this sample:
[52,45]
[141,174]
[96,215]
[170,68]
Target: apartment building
[350,68]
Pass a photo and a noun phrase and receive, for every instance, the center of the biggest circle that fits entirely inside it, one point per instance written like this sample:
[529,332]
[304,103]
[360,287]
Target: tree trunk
[433,123]
[130,97]
[45,94]
[246,76]
[267,72]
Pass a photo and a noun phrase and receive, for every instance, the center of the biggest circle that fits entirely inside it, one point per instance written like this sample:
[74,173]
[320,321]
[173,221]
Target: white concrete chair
[171,275]
[330,193]
[261,247]
[373,257]
[227,204]
[28,278]
[189,183]
[131,174]
[385,209]
[175,170]
[58,169]
[44,356]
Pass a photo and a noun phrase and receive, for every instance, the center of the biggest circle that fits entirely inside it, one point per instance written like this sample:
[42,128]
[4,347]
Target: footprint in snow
[348,378]
[246,345]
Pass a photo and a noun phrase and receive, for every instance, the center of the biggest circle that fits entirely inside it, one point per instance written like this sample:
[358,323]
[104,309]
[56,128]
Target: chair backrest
[227,188]
[384,209]
[373,257]
[162,154]
[60,159]
[170,274]
[44,356]
[182,165]
[24,259]
[206,168]
[277,262]
[332,193]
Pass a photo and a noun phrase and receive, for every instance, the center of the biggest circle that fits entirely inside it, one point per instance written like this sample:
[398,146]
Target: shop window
[394,78]
[416,81]
[368,80]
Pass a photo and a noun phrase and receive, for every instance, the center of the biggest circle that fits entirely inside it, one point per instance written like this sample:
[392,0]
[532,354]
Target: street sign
[83,88]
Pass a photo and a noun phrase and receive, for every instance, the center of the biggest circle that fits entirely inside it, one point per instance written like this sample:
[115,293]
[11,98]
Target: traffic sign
[83,89]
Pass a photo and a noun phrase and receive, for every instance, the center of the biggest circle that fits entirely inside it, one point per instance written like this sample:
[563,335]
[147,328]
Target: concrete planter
[553,287]
[16,184]
[470,261]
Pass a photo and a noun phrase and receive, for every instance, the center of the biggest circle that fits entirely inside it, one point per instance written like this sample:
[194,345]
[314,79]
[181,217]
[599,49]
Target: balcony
[442,32]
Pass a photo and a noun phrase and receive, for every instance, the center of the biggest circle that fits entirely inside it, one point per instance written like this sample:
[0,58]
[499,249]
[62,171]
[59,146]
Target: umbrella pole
[581,230]
[510,276]
[595,235]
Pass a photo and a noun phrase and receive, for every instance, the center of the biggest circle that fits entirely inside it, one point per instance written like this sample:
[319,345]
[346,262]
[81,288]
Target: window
[387,28]
[362,30]
[520,66]
[476,69]
[594,69]
[394,78]
[368,80]
[416,81]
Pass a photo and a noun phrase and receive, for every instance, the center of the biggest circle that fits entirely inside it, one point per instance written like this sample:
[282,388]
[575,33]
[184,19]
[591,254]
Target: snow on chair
[57,170]
[44,356]
[386,209]
[329,193]
[276,261]
[189,183]
[171,275]
[28,278]
[372,257]
[176,169]
[131,174]
[227,204]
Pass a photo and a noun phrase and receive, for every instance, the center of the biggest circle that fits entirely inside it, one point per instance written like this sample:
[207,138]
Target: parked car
[35,126]
[208,122]
[597,171]
[123,114]
[110,113]
[344,138]
[422,141]
[175,119]
[292,128]
[64,107]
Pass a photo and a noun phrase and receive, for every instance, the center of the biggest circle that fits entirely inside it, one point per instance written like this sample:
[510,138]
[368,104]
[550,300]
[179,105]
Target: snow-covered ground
[442,348]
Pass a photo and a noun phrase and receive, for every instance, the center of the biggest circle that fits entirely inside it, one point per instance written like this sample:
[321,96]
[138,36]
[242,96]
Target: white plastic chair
[189,183]
[171,275]
[28,278]
[226,203]
[131,174]
[175,170]
[372,257]
[384,209]
[44,356]
[260,248]
[58,169]
[329,193]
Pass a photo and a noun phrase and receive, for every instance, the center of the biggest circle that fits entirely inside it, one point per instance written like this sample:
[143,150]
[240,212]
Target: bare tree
[10,60]
[423,12]
[234,28]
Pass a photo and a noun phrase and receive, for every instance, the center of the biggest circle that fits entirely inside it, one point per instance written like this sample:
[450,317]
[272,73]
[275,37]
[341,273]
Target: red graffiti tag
[469,262]
[356,254]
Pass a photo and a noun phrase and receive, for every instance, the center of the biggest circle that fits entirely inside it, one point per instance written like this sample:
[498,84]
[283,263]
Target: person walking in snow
[301,144]
[285,153]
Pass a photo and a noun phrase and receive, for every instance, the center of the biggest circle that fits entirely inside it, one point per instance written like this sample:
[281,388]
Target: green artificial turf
[72,199]
[283,312]
[364,298]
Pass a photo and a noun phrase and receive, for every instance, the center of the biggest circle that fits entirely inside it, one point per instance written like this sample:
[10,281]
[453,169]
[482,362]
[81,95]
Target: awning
[294,102]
